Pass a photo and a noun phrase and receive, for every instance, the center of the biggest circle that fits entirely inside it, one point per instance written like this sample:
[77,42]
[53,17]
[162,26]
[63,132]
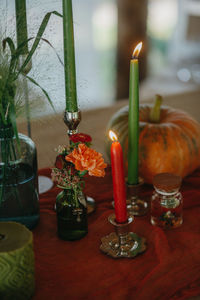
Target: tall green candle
[21,24]
[133,118]
[69,57]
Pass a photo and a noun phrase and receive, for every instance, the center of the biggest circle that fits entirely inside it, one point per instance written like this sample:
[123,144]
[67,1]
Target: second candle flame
[113,136]
[137,50]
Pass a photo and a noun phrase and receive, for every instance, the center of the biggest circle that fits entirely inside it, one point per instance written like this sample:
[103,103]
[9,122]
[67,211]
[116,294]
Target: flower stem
[76,197]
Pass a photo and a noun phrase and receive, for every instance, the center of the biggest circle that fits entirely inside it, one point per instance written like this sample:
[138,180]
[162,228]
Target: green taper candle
[69,57]
[21,24]
[133,118]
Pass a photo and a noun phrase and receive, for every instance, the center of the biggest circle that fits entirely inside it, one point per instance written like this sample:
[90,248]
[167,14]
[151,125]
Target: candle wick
[134,57]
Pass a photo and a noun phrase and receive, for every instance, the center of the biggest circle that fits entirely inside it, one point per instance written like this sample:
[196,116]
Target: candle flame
[113,136]
[137,49]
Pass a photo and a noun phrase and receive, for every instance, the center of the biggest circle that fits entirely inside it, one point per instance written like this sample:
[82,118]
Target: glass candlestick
[72,120]
[135,204]
[167,201]
[122,243]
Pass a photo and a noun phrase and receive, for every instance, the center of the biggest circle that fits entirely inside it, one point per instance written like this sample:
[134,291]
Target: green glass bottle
[18,179]
[71,215]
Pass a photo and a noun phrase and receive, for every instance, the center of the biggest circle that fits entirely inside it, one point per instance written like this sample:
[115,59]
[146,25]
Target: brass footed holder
[72,120]
[122,243]
[136,206]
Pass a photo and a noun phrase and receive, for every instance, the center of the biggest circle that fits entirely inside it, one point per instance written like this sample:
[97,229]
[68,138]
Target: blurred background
[106,32]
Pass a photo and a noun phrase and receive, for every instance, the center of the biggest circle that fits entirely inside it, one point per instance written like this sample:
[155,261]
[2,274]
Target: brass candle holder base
[122,243]
[135,204]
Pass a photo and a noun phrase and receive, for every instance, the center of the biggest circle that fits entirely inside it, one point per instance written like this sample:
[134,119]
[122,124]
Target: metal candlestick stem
[135,204]
[122,243]
[72,120]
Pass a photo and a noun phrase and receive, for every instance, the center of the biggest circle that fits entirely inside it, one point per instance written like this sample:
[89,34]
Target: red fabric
[169,269]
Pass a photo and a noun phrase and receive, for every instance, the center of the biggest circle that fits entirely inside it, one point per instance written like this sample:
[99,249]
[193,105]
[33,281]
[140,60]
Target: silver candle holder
[122,243]
[72,120]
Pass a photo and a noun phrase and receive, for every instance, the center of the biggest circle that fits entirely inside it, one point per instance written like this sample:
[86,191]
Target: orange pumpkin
[169,140]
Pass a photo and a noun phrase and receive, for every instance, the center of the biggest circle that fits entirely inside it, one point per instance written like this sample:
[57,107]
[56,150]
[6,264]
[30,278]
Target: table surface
[169,269]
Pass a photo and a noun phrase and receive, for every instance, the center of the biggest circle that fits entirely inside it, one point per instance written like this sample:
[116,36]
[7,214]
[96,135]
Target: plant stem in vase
[71,215]
[18,159]
[18,180]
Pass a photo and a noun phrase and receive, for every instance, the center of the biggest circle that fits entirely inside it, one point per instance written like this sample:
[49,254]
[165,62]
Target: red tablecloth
[169,269]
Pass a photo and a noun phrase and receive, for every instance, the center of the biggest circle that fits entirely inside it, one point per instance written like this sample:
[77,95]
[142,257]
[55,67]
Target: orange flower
[86,159]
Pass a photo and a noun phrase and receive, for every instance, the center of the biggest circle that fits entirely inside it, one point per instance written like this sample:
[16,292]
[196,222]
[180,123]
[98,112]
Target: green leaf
[15,54]
[81,174]
[10,43]
[37,39]
[18,52]
[46,94]
[46,41]
[13,73]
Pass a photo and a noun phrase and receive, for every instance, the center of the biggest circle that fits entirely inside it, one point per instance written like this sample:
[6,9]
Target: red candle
[119,190]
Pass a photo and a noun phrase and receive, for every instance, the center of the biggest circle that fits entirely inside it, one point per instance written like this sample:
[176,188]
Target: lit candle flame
[136,51]
[113,136]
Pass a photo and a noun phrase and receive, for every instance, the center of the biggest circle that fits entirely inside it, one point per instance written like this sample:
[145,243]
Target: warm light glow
[137,49]
[113,136]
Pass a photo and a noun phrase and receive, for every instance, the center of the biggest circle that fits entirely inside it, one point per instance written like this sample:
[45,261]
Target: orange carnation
[86,159]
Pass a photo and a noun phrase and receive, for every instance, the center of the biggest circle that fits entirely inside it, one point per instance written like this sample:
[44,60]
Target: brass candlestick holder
[122,243]
[72,120]
[135,204]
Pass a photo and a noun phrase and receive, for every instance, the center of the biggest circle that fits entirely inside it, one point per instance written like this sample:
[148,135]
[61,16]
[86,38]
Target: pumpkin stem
[154,116]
